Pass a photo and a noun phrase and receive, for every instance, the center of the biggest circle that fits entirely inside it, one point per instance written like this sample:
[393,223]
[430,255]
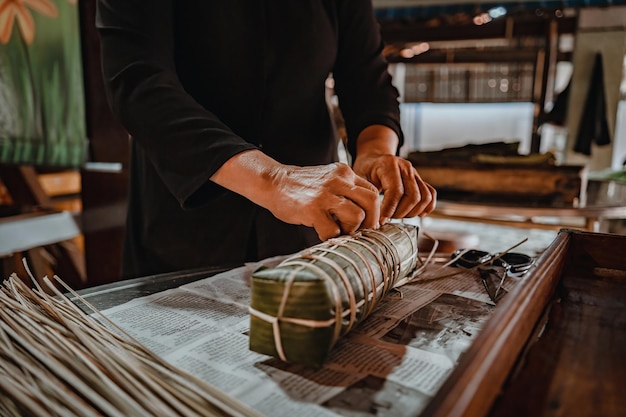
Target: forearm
[377,140]
[250,174]
[331,198]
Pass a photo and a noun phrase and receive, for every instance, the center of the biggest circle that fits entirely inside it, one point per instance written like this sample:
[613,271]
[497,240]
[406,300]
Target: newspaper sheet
[390,365]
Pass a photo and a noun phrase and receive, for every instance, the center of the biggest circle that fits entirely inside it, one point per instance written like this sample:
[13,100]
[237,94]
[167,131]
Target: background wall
[433,126]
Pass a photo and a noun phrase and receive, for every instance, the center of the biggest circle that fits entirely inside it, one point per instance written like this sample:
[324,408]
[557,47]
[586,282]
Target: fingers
[362,182]
[326,227]
[358,208]
[343,219]
[335,200]
[405,193]
[332,199]
[427,202]
[400,191]
[366,197]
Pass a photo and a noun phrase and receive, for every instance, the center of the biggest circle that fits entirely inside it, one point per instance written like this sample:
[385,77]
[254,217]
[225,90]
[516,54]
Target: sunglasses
[493,268]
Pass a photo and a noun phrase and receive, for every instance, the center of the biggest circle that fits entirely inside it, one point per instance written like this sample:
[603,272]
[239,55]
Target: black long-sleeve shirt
[195,82]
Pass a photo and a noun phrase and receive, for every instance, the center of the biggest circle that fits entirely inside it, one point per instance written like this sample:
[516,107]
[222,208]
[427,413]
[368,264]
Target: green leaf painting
[42,105]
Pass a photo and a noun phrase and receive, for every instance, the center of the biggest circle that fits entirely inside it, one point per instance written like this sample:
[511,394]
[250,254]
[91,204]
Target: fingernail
[384,220]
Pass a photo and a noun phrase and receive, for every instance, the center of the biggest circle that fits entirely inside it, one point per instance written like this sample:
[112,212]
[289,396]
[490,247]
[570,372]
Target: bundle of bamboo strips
[59,361]
[300,308]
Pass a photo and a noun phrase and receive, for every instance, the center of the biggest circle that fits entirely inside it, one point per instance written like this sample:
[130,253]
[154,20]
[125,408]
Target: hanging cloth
[558,114]
[593,125]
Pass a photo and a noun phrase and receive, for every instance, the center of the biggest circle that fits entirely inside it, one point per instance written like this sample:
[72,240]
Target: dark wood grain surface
[578,365]
[556,346]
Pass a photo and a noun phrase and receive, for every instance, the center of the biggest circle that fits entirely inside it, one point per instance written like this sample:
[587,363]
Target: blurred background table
[605,201]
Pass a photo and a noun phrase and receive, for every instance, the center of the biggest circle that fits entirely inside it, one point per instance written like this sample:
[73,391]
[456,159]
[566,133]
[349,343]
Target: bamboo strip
[56,360]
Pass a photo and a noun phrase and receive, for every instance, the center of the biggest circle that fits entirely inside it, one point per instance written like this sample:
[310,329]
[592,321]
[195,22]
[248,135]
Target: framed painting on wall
[42,103]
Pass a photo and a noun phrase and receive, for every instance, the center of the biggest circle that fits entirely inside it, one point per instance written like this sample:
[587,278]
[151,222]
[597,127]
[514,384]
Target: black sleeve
[362,81]
[185,142]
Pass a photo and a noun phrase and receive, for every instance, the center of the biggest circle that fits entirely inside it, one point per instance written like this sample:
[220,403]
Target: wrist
[251,174]
[377,140]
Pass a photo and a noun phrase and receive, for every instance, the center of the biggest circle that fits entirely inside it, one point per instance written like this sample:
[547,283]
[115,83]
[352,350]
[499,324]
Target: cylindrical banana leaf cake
[300,308]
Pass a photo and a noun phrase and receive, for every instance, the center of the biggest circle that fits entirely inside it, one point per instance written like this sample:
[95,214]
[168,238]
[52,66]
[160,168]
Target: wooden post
[545,74]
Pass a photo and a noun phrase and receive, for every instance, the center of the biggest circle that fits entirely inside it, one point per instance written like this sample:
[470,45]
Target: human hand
[330,198]
[405,193]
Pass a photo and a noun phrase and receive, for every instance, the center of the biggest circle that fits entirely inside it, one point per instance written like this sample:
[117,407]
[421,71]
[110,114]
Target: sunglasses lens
[470,258]
[515,263]
[519,263]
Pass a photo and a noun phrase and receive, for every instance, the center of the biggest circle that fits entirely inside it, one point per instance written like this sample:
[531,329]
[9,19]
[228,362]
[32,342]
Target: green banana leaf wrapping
[300,308]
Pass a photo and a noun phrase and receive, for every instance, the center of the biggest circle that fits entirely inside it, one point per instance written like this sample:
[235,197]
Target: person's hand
[330,198]
[405,193]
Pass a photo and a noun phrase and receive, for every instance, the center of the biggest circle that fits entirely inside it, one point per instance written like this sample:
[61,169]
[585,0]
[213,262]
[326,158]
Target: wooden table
[589,218]
[554,346]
